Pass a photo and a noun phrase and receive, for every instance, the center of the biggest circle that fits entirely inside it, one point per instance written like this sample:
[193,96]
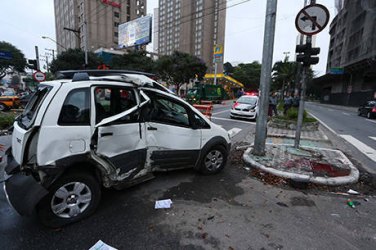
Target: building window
[116,34]
[116,14]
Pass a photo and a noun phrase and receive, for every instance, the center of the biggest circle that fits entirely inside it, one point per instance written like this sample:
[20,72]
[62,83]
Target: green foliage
[284,74]
[18,62]
[6,119]
[228,68]
[248,74]
[292,114]
[134,60]
[74,59]
[179,68]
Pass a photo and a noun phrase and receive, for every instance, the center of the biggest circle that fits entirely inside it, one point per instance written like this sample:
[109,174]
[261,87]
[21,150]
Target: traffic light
[307,54]
[32,64]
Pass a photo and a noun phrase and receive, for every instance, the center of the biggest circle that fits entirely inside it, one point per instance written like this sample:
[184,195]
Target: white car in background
[247,107]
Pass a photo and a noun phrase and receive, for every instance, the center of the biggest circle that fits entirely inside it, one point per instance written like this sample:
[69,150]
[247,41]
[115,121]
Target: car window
[110,101]
[26,119]
[167,111]
[76,108]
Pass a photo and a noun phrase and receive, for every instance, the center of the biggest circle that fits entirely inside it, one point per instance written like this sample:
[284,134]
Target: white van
[113,130]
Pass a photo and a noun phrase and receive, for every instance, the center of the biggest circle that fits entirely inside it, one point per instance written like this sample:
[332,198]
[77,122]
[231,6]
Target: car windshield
[26,119]
[247,100]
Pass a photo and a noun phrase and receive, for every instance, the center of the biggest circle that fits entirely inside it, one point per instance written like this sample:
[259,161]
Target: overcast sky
[23,23]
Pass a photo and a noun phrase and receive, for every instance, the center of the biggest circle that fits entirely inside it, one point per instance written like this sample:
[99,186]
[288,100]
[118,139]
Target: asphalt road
[358,133]
[230,210]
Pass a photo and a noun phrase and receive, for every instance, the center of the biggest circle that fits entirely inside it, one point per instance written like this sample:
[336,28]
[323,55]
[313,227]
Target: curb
[303,137]
[331,181]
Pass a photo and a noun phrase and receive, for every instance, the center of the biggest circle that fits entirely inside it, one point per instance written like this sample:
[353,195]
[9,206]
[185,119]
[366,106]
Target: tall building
[351,66]
[192,27]
[102,17]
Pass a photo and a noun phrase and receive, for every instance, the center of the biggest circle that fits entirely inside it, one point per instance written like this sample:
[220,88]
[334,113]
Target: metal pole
[47,64]
[302,96]
[266,70]
[215,73]
[37,57]
[85,27]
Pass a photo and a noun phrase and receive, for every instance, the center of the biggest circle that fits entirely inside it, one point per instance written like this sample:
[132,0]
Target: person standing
[287,103]
[273,104]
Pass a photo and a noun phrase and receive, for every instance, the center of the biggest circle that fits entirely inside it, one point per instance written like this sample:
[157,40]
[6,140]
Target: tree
[284,75]
[74,59]
[16,61]
[248,74]
[179,68]
[134,60]
[228,68]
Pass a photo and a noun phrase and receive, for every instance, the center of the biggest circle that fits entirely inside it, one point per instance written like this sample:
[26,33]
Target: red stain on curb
[318,169]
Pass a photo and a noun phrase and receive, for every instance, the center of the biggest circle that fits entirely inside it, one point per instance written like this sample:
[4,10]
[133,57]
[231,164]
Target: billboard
[136,32]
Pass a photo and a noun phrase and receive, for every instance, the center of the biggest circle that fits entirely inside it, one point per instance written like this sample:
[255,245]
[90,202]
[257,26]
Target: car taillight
[235,105]
[374,109]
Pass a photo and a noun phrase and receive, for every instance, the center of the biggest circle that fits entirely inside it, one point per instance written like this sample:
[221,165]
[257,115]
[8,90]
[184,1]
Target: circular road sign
[39,76]
[312,19]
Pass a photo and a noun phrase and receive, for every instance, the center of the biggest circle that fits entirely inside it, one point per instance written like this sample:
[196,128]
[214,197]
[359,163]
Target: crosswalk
[362,147]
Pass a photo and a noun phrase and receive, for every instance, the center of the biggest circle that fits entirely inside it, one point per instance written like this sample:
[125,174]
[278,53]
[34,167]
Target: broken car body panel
[158,132]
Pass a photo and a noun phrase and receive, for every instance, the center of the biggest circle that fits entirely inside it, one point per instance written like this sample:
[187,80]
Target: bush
[292,114]
[6,120]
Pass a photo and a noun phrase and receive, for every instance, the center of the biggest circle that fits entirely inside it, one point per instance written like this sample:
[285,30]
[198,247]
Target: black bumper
[23,191]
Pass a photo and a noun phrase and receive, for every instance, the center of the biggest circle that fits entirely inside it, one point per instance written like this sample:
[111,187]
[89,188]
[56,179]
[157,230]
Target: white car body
[121,150]
[246,107]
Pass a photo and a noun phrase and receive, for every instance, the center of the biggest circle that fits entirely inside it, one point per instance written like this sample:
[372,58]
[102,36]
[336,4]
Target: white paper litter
[163,204]
[100,245]
[352,192]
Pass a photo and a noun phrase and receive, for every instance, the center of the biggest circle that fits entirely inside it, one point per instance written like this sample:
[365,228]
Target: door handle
[152,128]
[107,134]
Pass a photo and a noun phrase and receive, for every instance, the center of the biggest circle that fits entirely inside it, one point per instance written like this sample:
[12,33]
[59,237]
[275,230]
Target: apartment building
[192,27]
[102,18]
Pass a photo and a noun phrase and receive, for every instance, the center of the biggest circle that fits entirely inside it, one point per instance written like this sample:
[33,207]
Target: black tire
[3,107]
[213,160]
[68,182]
[359,112]
[369,115]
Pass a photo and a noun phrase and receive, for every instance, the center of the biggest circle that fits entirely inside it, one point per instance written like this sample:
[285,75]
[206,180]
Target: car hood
[246,106]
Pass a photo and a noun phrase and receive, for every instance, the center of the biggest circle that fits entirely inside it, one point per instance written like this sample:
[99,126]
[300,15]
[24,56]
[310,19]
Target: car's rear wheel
[72,198]
[214,160]
[369,115]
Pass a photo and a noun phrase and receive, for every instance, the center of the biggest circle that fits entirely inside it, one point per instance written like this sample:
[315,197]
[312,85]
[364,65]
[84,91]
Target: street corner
[304,165]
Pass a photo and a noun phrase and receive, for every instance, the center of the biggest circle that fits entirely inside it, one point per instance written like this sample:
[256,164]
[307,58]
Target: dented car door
[171,139]
[118,136]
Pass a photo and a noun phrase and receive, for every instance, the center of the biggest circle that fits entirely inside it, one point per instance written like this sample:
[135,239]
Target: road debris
[211,217]
[350,203]
[281,204]
[100,245]
[351,191]
[163,204]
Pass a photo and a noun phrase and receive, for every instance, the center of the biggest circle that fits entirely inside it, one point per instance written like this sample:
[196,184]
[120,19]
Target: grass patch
[292,115]
[7,119]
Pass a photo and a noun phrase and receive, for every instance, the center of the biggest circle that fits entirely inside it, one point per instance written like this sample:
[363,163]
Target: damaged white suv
[111,129]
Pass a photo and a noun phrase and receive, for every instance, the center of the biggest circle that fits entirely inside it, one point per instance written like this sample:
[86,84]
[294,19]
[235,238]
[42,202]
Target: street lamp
[46,37]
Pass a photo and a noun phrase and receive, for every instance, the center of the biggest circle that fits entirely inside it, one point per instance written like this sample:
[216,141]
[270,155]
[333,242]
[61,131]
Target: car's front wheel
[369,115]
[214,160]
[72,198]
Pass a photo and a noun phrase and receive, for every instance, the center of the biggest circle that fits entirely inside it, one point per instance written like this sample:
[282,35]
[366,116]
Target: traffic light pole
[302,96]
[266,69]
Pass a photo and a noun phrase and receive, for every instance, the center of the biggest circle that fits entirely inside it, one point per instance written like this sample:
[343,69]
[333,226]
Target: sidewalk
[315,161]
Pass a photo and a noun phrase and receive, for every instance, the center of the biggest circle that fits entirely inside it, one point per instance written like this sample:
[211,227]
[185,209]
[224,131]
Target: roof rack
[68,74]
